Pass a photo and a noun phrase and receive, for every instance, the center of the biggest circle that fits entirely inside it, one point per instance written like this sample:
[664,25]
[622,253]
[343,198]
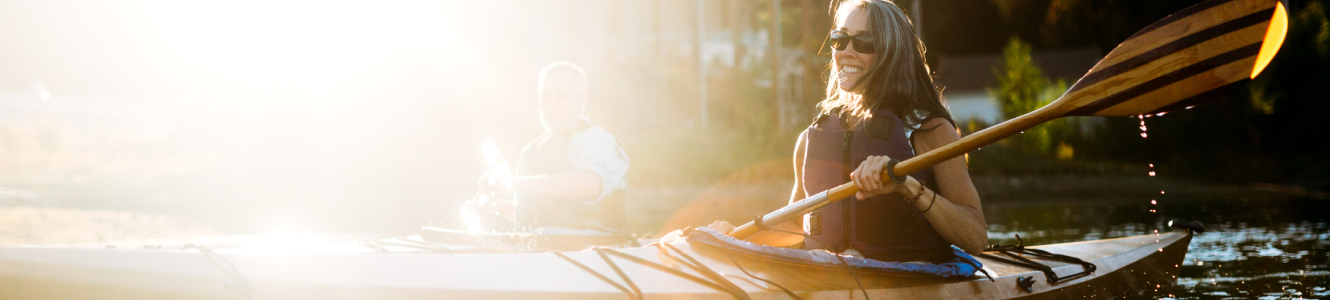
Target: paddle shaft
[914,164]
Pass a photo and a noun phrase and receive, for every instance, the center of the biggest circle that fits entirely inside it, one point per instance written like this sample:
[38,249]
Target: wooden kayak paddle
[1189,57]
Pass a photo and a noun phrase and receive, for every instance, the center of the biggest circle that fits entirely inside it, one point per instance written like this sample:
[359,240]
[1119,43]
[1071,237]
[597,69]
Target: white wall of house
[965,105]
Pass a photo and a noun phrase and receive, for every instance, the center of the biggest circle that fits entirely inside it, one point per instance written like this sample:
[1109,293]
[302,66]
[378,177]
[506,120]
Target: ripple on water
[1258,249]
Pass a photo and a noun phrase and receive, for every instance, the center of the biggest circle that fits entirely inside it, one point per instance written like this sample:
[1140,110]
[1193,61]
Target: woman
[881,105]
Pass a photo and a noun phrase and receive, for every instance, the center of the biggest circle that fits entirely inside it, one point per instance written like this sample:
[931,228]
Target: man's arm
[599,166]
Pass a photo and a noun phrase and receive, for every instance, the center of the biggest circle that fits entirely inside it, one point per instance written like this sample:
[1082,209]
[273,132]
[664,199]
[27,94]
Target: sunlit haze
[290,114]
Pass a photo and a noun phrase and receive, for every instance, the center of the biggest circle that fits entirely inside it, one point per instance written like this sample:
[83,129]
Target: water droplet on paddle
[1189,107]
[1152,165]
[1161,192]
[1153,202]
[1143,135]
[1160,114]
[1152,173]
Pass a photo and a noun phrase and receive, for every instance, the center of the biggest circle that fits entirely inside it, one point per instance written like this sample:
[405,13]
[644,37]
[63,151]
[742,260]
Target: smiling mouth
[847,71]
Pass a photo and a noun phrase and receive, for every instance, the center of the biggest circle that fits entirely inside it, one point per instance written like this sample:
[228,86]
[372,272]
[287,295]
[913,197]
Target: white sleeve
[597,151]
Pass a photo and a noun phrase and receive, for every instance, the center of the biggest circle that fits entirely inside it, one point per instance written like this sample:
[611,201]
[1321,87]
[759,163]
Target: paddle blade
[1274,37]
[1192,56]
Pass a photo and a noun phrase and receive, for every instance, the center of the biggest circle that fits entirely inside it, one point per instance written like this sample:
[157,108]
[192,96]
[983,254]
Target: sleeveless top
[884,227]
[548,154]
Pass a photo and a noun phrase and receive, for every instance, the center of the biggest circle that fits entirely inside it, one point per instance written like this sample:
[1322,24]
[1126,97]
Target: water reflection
[1253,249]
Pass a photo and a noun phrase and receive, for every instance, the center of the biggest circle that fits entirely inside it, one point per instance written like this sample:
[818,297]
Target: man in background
[573,175]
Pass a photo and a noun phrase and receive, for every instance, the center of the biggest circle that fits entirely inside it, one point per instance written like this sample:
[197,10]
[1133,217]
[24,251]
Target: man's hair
[562,69]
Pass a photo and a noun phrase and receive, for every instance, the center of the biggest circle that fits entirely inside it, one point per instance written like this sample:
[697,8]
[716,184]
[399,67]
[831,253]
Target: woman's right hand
[868,177]
[722,226]
[677,235]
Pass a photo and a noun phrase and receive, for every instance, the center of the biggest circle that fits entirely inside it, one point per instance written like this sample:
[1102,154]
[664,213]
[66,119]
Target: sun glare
[470,219]
[1274,37]
[295,44]
[282,242]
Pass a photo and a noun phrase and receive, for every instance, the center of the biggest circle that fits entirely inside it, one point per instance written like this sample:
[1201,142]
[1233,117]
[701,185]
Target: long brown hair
[899,79]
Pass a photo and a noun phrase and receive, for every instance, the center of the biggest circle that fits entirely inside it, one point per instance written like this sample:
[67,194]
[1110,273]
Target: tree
[1022,88]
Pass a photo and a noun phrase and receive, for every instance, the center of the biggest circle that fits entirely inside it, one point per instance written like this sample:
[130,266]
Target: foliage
[1022,88]
[1312,20]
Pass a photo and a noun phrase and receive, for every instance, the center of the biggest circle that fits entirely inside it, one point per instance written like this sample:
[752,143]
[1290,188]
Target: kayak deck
[1124,265]
[540,239]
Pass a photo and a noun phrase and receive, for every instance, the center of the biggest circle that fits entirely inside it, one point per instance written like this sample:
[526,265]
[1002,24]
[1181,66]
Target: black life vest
[883,227]
[548,154]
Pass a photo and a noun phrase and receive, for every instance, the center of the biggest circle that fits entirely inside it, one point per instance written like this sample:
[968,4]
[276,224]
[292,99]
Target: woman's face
[850,65]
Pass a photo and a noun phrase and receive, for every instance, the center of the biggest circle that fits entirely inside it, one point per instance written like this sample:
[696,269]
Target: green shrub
[1022,88]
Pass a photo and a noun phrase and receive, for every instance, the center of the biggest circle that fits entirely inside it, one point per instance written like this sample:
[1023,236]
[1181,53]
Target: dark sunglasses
[840,39]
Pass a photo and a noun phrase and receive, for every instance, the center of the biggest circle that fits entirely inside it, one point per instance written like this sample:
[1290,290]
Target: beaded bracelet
[916,197]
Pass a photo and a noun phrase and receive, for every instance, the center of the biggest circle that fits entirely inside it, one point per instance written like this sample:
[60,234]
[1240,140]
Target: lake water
[1252,249]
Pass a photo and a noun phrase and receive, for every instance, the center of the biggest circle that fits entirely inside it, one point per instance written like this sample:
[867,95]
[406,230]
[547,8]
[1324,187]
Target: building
[967,79]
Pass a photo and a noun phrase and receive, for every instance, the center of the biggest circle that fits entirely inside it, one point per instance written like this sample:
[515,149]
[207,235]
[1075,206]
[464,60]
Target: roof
[966,73]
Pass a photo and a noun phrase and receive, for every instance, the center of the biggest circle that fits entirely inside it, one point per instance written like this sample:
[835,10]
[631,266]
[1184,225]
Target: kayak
[309,268]
[539,239]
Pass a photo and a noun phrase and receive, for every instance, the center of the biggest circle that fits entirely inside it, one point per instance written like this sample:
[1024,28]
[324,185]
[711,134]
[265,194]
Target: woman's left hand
[868,177]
